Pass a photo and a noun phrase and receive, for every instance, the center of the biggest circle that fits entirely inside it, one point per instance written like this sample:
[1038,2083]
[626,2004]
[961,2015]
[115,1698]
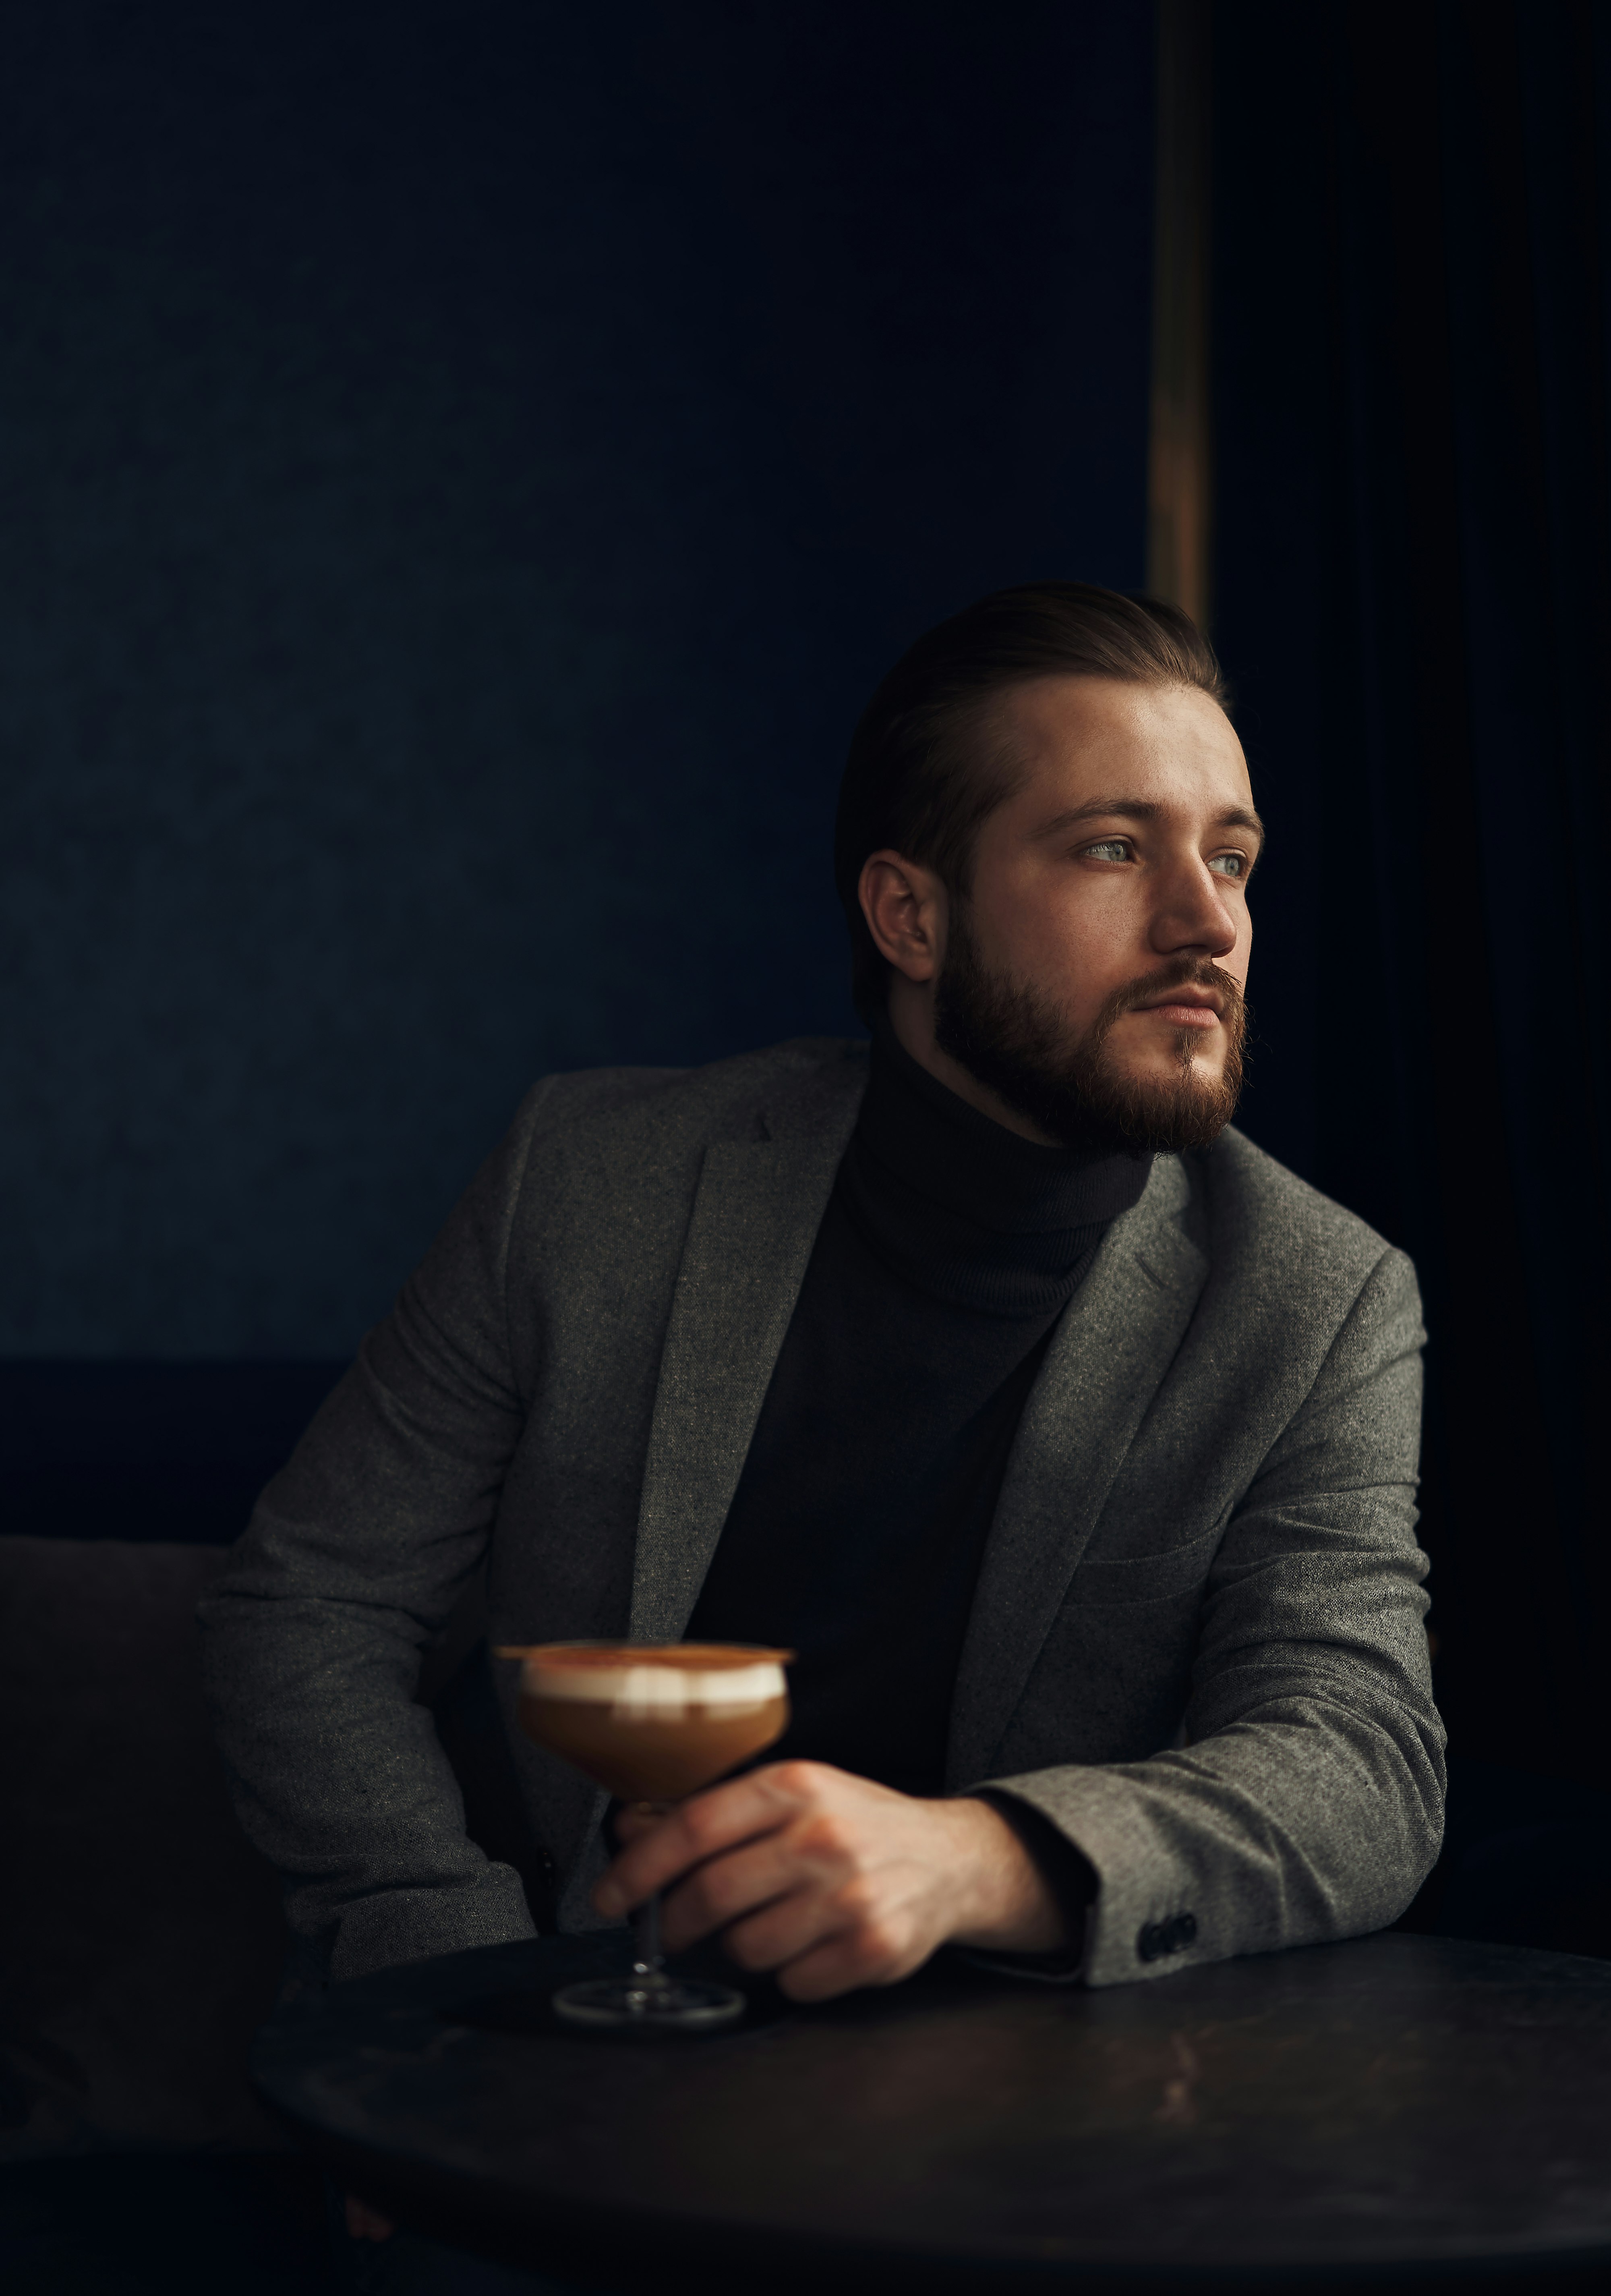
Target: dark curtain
[1413,213]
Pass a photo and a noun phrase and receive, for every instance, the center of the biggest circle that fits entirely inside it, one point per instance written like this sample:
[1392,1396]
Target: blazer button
[1159,1939]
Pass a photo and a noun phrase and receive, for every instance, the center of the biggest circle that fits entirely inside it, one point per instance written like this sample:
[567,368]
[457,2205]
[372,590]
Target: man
[1069,1440]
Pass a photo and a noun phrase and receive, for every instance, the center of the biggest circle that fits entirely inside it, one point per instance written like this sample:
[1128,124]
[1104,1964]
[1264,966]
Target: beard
[1011,1036]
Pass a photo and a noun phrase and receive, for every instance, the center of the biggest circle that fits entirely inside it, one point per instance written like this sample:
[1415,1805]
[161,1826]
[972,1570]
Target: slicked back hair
[924,771]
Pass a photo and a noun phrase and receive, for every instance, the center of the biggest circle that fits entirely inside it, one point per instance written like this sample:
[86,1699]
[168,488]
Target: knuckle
[857,1903]
[825,1837]
[875,1940]
[876,1945]
[799,1779]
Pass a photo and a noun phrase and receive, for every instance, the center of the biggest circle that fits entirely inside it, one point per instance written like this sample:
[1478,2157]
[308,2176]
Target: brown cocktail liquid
[652,1722]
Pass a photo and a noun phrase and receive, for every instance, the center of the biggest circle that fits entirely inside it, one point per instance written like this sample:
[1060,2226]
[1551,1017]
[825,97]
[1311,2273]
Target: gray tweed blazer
[1197,1644]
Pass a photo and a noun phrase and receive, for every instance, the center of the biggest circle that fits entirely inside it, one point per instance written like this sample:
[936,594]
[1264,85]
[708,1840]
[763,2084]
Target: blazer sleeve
[313,1634]
[1307,1801]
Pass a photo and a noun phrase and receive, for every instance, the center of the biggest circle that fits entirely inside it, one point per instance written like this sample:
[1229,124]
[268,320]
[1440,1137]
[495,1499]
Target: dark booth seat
[141,1943]
[140,1934]
[141,1938]
[139,1948]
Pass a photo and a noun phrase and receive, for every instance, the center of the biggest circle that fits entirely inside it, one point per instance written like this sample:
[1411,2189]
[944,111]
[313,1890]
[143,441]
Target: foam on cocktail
[652,1722]
[668,1684]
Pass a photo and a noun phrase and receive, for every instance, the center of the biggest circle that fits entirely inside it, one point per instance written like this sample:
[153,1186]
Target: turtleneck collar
[965,1210]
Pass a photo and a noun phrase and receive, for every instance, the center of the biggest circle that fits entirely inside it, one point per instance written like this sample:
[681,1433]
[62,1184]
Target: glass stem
[648,1963]
[650,1966]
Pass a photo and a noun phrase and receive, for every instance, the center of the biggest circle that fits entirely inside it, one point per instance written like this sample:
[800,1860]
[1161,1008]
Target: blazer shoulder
[1270,1220]
[807,1083]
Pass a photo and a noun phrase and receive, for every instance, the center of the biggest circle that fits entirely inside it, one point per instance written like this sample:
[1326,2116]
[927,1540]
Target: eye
[1111,848]
[1230,865]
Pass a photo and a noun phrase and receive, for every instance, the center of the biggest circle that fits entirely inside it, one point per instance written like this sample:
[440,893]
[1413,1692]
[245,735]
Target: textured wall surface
[462,468]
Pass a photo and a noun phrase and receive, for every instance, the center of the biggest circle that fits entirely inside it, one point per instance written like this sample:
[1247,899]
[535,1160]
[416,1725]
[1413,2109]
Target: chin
[1167,1073]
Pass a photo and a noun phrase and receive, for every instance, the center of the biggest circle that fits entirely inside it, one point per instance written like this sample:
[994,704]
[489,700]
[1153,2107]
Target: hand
[831,1881]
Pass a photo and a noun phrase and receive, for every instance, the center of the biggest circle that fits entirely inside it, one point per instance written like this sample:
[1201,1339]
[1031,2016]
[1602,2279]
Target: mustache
[1179,972]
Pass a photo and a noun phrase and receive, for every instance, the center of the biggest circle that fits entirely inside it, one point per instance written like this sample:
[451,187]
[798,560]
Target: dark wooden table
[1398,2106]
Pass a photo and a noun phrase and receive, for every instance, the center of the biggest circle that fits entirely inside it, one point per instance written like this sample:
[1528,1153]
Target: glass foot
[683,2004]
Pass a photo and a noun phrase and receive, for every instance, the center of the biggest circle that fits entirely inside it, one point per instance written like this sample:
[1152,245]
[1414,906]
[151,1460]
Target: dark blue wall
[462,468]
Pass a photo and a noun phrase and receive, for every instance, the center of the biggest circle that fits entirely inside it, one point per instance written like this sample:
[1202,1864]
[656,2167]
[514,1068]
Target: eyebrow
[1136,808]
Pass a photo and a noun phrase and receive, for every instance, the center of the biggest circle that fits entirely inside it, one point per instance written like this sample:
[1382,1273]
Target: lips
[1206,1002]
[1185,1016]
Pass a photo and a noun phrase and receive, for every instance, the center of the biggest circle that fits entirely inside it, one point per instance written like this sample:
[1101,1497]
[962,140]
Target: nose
[1192,916]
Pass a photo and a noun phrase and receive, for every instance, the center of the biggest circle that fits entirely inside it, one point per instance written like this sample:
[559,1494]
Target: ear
[906,910]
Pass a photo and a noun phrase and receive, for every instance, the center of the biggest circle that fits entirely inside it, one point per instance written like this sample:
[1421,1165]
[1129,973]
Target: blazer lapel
[1116,1340]
[755,1216]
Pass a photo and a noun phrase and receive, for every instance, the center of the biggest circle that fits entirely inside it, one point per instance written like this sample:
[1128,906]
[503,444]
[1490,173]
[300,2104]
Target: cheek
[1082,944]
[1075,940]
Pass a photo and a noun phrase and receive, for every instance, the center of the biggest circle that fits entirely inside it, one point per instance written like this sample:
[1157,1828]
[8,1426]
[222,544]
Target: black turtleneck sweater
[948,1249]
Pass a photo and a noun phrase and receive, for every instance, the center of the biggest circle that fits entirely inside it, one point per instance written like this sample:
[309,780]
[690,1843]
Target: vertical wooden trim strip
[1180,459]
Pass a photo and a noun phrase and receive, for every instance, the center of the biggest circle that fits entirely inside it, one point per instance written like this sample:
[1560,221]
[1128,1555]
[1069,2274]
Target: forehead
[1075,739]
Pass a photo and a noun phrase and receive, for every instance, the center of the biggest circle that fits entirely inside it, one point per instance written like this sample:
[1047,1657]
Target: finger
[783,1931]
[843,1962]
[634,1819]
[726,1888]
[703,1827]
[658,1854]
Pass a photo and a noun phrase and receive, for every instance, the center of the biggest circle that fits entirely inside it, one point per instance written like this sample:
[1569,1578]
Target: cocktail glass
[651,1722]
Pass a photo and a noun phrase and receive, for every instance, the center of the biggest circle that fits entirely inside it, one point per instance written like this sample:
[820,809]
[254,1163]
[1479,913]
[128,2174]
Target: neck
[964,1209]
[910,1009]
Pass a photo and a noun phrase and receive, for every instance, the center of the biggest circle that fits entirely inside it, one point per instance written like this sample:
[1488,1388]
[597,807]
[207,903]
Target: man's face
[1092,980]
